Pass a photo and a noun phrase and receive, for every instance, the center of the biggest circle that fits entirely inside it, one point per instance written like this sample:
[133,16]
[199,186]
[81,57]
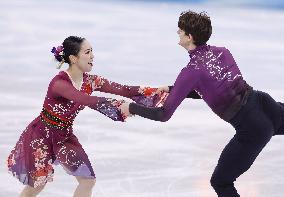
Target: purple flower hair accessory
[58,53]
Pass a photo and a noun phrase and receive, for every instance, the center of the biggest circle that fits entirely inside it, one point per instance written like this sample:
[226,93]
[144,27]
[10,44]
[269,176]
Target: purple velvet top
[213,73]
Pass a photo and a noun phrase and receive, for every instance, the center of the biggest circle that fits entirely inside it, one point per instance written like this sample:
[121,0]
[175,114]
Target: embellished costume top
[49,138]
[213,73]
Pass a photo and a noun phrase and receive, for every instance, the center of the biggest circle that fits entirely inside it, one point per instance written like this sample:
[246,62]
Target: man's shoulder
[218,48]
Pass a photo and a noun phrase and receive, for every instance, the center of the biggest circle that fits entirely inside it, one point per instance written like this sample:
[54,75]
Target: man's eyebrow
[88,49]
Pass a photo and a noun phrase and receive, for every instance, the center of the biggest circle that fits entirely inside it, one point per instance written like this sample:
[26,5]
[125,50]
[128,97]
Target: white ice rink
[136,44]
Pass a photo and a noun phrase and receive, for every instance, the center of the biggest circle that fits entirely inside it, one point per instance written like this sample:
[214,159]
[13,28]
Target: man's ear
[190,37]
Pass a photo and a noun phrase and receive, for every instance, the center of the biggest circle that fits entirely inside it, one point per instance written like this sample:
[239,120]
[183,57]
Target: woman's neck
[75,73]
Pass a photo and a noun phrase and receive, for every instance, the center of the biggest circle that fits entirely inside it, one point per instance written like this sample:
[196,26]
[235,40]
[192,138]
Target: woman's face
[184,40]
[85,57]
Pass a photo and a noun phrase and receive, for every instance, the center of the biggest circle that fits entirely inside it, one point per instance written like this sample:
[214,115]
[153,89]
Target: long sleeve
[106,106]
[193,94]
[142,95]
[103,85]
[185,83]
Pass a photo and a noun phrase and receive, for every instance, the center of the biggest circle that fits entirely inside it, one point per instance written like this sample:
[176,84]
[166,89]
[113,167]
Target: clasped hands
[124,107]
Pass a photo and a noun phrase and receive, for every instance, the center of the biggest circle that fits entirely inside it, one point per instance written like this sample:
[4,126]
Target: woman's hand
[124,108]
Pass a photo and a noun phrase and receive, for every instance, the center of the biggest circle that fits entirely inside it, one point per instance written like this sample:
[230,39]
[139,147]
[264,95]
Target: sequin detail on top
[213,73]
[212,63]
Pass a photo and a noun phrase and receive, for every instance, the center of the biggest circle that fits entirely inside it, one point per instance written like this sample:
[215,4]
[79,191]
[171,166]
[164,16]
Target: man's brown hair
[196,24]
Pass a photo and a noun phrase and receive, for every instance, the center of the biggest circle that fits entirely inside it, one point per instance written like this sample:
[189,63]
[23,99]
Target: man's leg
[236,158]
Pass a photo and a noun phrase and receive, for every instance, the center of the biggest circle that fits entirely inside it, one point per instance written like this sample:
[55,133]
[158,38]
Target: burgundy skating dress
[49,138]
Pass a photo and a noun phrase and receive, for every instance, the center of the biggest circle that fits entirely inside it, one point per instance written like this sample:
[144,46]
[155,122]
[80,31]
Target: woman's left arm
[104,85]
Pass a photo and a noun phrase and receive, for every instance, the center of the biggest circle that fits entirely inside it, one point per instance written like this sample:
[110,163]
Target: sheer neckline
[73,83]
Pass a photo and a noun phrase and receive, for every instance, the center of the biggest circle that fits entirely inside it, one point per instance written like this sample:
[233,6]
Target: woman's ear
[73,59]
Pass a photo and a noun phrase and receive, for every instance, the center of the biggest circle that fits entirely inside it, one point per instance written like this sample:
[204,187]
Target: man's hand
[163,89]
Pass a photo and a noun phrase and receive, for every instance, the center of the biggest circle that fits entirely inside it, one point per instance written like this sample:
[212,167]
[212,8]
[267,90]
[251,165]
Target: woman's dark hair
[196,24]
[71,46]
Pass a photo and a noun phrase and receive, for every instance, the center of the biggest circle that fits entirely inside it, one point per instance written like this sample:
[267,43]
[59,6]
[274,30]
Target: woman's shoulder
[62,75]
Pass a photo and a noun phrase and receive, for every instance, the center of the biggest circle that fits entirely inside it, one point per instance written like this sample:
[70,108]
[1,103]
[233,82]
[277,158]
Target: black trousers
[256,122]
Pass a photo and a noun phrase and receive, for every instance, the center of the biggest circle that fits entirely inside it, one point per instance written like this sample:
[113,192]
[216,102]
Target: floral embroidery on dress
[98,82]
[11,161]
[116,104]
[44,170]
[42,144]
[147,91]
[93,82]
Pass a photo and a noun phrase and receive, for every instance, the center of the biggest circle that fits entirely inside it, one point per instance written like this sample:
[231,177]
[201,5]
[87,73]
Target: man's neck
[190,47]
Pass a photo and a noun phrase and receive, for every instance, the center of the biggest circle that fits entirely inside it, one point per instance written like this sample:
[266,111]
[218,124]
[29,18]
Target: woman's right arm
[107,106]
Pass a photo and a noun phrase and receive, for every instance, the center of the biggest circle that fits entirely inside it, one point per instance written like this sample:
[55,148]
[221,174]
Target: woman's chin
[89,69]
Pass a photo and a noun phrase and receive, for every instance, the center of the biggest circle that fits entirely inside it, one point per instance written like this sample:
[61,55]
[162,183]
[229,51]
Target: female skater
[213,73]
[49,138]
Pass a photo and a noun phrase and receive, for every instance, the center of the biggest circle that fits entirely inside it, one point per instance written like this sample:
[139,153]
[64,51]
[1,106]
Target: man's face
[184,39]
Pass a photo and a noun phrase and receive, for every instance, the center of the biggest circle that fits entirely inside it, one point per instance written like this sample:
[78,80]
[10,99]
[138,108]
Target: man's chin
[180,44]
